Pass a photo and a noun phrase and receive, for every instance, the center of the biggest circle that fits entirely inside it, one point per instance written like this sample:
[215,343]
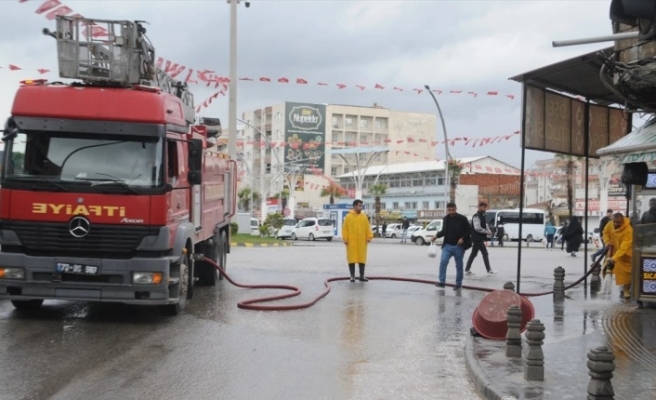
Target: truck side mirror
[195,176]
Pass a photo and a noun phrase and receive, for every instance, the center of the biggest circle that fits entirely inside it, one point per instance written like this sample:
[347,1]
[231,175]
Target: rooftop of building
[427,166]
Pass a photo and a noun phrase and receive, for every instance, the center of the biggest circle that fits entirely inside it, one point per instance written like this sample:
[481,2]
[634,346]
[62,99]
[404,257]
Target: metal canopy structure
[361,169]
[578,76]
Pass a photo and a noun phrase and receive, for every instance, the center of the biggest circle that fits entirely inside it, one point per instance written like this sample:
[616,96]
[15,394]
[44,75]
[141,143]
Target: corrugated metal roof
[638,146]
[578,76]
[421,166]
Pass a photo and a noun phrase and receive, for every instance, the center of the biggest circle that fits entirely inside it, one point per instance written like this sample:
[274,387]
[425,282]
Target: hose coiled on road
[252,304]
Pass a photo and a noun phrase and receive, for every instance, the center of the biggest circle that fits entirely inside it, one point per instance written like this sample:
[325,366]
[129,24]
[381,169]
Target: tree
[454,178]
[284,195]
[334,191]
[245,198]
[377,190]
[570,166]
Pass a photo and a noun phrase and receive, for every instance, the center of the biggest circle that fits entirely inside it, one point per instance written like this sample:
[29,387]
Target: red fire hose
[295,291]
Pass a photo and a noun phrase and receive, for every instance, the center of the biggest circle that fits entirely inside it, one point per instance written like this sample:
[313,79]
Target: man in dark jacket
[457,239]
[602,224]
[479,235]
[649,216]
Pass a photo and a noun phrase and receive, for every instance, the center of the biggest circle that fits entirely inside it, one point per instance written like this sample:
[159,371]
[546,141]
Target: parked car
[397,231]
[393,231]
[423,236]
[314,228]
[558,234]
[288,225]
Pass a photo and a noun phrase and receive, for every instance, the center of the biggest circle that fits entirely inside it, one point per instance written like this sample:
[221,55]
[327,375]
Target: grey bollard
[514,336]
[595,280]
[600,368]
[533,356]
[509,286]
[559,283]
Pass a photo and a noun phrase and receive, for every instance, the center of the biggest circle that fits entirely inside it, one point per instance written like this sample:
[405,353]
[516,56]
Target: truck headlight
[12,273]
[146,278]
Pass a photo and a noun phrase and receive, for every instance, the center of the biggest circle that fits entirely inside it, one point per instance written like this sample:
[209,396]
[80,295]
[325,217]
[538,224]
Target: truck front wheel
[179,273]
[27,304]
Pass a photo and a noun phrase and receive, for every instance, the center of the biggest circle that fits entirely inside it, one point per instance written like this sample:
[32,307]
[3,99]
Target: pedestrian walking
[384,229]
[573,235]
[493,229]
[501,232]
[619,236]
[456,232]
[479,235]
[562,235]
[404,227]
[549,233]
[602,225]
[356,233]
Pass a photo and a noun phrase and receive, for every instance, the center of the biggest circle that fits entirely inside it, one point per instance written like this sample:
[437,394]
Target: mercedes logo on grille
[79,227]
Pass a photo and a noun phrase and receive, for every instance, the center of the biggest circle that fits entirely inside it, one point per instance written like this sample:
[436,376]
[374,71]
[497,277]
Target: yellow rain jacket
[355,231]
[622,241]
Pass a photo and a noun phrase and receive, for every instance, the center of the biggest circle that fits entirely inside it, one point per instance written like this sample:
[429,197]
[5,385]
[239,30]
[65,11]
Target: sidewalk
[572,329]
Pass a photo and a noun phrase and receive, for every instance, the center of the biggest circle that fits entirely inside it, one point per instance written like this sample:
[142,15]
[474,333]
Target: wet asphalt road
[374,340]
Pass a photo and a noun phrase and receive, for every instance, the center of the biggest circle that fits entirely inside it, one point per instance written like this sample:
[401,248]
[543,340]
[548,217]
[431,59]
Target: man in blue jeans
[456,232]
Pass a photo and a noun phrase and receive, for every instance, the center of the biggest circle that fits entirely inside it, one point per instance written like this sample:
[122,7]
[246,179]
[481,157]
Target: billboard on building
[305,136]
[557,123]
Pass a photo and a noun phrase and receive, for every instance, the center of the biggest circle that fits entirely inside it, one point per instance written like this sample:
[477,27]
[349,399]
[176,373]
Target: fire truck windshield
[128,162]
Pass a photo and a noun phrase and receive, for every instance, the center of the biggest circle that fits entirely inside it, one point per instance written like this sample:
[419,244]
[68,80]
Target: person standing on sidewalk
[356,233]
[602,225]
[549,232]
[456,232]
[619,236]
[479,235]
[404,227]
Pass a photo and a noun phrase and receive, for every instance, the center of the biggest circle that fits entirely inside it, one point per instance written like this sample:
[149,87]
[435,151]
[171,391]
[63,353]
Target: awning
[637,146]
[578,76]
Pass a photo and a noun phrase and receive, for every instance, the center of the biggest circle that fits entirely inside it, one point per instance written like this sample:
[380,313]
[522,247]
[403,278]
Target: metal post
[586,151]
[446,149]
[598,39]
[521,190]
[232,90]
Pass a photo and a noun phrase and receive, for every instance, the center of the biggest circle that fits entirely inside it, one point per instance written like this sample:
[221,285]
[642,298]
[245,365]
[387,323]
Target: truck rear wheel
[181,272]
[27,304]
[207,274]
[223,253]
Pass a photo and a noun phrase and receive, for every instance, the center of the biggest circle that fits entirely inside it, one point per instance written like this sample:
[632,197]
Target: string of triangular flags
[50,9]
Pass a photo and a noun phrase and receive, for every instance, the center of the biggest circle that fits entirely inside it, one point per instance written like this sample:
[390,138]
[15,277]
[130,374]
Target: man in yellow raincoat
[619,237]
[356,233]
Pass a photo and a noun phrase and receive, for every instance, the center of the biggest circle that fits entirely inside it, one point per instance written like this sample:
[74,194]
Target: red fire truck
[110,190]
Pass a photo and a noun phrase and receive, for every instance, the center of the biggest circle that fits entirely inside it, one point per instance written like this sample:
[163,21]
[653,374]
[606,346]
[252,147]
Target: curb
[477,375]
[235,244]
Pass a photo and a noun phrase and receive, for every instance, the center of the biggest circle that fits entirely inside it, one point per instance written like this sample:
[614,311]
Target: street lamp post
[232,88]
[446,147]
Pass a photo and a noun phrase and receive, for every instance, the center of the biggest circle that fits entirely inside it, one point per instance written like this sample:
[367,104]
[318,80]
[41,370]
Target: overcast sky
[450,45]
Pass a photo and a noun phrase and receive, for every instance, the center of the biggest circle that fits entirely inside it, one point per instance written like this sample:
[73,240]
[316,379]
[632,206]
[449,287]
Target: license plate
[78,269]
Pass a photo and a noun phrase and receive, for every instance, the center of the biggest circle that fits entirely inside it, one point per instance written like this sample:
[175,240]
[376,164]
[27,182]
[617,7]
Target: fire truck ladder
[112,53]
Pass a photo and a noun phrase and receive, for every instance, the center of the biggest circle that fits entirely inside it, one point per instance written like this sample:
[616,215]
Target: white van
[314,228]
[423,236]
[255,227]
[285,232]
